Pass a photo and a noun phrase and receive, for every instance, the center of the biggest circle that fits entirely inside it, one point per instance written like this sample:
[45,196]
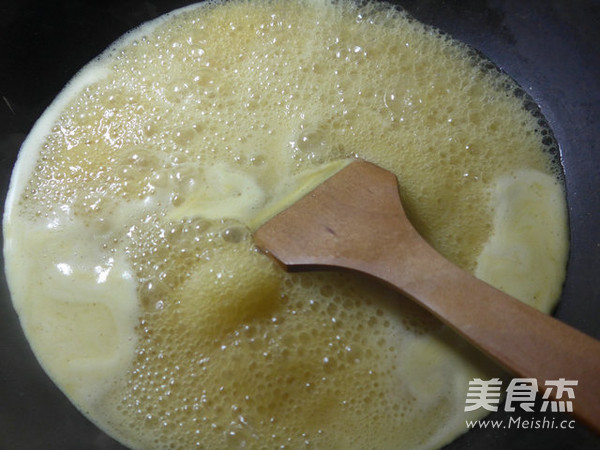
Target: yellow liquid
[128,227]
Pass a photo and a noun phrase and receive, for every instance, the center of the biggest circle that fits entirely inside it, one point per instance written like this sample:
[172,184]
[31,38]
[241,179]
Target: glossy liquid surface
[128,226]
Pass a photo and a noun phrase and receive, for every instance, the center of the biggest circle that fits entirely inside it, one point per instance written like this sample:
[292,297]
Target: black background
[552,49]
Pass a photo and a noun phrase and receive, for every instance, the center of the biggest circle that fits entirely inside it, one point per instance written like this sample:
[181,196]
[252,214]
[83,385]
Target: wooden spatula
[355,221]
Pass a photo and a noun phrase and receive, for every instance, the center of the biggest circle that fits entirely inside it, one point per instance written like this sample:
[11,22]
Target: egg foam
[128,226]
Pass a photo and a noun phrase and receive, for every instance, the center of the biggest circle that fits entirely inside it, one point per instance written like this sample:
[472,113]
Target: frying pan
[550,48]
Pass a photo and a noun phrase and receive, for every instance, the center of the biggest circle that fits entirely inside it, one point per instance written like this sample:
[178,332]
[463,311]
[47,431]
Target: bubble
[232,351]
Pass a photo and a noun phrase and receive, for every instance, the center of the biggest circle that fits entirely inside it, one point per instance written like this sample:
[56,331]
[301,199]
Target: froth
[203,124]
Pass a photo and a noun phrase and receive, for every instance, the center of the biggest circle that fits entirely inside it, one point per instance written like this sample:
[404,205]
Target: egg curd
[128,226]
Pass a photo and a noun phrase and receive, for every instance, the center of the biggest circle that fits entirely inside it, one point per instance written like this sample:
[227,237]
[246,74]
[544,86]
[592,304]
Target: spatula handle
[355,220]
[524,340]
